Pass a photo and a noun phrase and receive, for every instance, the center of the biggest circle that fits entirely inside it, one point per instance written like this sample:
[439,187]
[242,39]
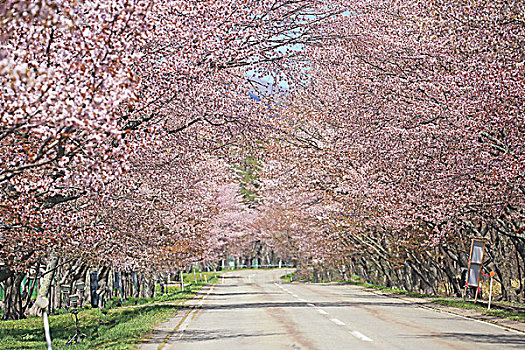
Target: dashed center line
[336,321]
[360,336]
[356,334]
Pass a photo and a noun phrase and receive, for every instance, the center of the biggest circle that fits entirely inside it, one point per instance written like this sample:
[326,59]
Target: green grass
[408,293]
[118,329]
[292,277]
[111,328]
[460,303]
[190,278]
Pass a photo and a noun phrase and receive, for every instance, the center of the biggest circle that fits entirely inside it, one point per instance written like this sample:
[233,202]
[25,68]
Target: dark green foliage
[248,177]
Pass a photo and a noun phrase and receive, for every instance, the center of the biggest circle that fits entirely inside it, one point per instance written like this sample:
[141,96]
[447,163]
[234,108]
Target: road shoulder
[469,313]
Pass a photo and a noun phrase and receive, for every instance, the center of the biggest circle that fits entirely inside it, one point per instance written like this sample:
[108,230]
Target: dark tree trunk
[14,303]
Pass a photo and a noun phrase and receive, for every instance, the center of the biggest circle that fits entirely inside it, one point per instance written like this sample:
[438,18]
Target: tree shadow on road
[199,335]
[495,339]
[240,293]
[298,304]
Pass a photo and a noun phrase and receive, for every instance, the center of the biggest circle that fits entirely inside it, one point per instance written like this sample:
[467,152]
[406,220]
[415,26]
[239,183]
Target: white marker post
[46,331]
[43,303]
[181,281]
[490,291]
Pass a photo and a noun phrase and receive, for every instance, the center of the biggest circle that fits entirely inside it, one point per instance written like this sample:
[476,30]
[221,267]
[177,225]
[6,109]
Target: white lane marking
[302,300]
[360,336]
[294,295]
[336,321]
[186,323]
[192,313]
[356,334]
[512,330]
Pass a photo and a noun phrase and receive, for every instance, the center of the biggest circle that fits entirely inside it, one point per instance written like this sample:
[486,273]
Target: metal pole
[490,292]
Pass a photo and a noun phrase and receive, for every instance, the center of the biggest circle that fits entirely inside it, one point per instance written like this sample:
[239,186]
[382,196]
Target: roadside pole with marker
[490,291]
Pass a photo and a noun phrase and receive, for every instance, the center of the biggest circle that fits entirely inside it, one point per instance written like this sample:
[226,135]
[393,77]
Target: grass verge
[460,303]
[118,328]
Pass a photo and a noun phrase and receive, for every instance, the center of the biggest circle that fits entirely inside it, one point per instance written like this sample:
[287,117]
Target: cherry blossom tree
[410,118]
[95,90]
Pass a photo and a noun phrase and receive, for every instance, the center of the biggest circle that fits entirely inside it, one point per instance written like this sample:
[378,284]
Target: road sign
[477,252]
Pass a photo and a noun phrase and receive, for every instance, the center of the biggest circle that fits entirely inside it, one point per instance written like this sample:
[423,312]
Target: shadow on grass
[117,327]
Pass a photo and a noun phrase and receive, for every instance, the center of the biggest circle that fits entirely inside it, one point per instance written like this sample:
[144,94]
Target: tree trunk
[13,303]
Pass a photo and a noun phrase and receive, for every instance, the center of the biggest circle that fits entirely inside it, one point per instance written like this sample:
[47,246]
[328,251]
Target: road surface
[253,310]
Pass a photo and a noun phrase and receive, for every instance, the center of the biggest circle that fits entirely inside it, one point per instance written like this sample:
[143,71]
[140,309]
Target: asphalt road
[254,310]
